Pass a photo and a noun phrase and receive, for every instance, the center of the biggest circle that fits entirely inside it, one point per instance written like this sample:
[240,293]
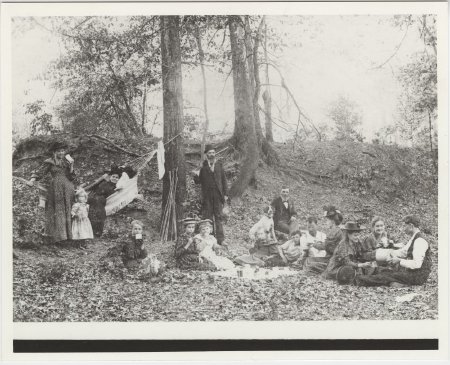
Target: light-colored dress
[81,225]
[207,253]
[307,240]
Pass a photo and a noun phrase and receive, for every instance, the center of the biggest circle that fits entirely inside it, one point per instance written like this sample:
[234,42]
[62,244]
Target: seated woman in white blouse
[312,240]
[410,265]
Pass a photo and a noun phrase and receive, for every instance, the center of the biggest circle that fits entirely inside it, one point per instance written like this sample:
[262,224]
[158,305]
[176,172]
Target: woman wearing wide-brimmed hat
[345,261]
[60,193]
[97,199]
[333,217]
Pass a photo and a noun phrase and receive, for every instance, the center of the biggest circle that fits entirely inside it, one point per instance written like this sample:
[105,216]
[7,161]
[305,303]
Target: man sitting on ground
[284,216]
[410,265]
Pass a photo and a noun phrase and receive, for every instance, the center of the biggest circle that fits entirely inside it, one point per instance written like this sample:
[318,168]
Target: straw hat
[189,220]
[205,221]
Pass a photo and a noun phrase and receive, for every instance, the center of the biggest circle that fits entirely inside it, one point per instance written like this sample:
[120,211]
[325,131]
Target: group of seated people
[343,254]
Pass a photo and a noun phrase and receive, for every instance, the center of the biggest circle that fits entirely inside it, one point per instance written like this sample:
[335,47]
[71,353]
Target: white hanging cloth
[126,189]
[161,160]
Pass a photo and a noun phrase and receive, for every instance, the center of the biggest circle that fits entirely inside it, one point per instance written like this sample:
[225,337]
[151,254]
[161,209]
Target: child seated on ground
[312,240]
[134,251]
[206,245]
[266,223]
[262,251]
[291,252]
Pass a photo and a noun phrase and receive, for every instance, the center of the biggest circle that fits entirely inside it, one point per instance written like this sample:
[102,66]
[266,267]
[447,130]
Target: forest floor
[65,283]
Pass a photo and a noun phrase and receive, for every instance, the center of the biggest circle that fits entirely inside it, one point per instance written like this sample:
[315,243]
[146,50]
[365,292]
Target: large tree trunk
[201,56]
[268,153]
[244,136]
[173,111]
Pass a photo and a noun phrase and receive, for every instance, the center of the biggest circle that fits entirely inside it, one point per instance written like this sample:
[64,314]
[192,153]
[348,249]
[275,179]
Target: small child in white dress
[206,244]
[81,225]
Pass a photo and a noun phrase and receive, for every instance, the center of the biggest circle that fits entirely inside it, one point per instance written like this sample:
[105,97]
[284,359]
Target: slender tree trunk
[244,131]
[144,105]
[205,91]
[173,110]
[266,94]
[253,70]
[134,125]
[124,128]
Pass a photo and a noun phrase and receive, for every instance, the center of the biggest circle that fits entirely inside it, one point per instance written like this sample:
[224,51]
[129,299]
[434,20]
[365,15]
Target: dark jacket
[280,213]
[213,181]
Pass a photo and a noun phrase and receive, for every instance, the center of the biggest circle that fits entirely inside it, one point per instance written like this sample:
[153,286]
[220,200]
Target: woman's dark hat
[330,211]
[353,227]
[345,275]
[209,147]
[57,145]
[114,170]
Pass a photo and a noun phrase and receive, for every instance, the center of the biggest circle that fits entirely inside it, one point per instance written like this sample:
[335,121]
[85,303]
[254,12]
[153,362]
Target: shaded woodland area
[111,74]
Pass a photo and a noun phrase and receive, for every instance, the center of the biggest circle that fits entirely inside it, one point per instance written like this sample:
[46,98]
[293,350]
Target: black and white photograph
[232,167]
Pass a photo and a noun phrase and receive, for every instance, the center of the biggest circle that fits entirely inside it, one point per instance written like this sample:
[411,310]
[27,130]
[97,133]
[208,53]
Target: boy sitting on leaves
[291,252]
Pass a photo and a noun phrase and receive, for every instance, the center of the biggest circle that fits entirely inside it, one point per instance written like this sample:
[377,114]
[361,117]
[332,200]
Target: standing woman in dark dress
[60,193]
[97,200]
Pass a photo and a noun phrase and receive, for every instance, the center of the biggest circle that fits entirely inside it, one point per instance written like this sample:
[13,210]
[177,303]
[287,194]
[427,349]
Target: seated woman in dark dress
[97,200]
[377,239]
[186,253]
[316,265]
[346,260]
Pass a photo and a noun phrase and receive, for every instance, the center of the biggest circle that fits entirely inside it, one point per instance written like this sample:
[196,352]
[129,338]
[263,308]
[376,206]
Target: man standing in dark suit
[214,191]
[285,216]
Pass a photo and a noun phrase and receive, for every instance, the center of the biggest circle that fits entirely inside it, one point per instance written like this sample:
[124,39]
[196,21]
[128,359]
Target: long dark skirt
[388,276]
[316,265]
[58,220]
[190,261]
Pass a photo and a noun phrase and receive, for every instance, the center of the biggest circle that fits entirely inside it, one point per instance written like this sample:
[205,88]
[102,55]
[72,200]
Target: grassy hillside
[54,283]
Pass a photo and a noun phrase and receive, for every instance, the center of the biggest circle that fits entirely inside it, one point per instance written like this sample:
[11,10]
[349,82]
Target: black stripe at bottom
[52,346]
